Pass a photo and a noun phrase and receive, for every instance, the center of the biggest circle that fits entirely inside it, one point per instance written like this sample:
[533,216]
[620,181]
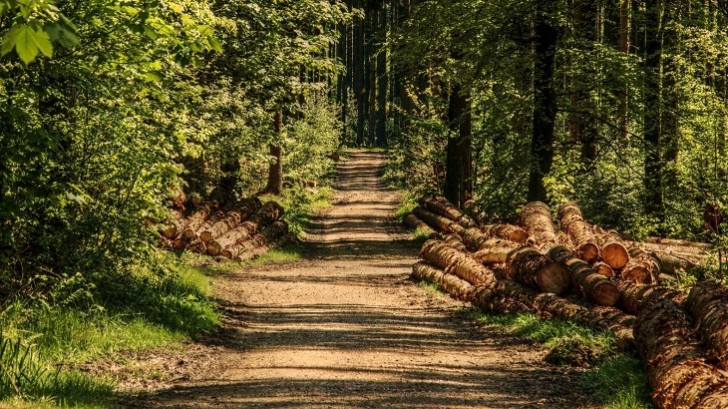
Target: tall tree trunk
[359,84]
[383,80]
[583,126]
[275,169]
[669,123]
[459,167]
[545,106]
[371,77]
[652,163]
[624,45]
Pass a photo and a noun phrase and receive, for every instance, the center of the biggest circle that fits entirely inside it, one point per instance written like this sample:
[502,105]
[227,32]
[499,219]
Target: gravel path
[346,328]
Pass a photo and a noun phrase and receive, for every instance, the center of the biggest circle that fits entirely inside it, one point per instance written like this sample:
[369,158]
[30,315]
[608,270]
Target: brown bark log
[708,304]
[589,284]
[454,286]
[506,232]
[551,305]
[680,243]
[671,264]
[438,223]
[453,240]
[642,268]
[174,225]
[676,368]
[634,297]
[613,249]
[530,267]
[443,207]
[258,241]
[573,223]
[494,251]
[216,228]
[195,221]
[414,222]
[452,261]
[237,235]
[603,269]
[536,219]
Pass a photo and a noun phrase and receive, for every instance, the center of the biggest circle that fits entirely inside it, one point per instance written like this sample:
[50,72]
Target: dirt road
[346,328]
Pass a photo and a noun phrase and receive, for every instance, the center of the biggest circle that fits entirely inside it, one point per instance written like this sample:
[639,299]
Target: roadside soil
[347,328]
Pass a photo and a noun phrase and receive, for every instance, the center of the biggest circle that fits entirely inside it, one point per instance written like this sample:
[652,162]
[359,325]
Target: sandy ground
[347,328]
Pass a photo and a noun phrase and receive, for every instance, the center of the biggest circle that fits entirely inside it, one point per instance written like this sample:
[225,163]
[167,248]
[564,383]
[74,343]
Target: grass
[41,347]
[432,287]
[616,379]
[407,204]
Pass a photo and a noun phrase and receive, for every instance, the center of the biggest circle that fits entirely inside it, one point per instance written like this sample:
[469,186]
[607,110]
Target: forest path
[346,328]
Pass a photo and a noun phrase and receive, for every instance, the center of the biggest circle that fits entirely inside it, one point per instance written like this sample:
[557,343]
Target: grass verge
[42,347]
[616,379]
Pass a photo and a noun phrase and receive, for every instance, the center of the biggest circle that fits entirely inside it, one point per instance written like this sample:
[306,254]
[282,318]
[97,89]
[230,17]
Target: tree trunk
[583,125]
[459,169]
[624,47]
[545,104]
[642,268]
[382,80]
[437,222]
[652,163]
[455,286]
[275,169]
[456,262]
[359,83]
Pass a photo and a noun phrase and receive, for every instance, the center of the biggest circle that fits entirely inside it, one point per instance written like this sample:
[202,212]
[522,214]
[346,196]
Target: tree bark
[545,105]
[459,168]
[585,281]
[531,268]
[573,223]
[652,163]
[275,169]
[382,80]
[536,219]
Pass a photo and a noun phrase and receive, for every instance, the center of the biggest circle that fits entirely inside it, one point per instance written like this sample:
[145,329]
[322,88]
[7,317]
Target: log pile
[593,276]
[241,233]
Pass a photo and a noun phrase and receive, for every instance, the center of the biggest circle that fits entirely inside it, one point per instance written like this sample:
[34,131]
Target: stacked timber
[245,231]
[595,277]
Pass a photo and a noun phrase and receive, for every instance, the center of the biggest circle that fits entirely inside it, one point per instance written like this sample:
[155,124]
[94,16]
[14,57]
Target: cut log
[443,207]
[453,285]
[603,268]
[671,264]
[195,221]
[456,262]
[438,223]
[676,368]
[415,223]
[680,243]
[453,240]
[493,301]
[614,252]
[237,235]
[708,304]
[530,267]
[573,223]
[536,219]
[213,229]
[551,305]
[267,214]
[506,232]
[260,240]
[495,251]
[634,297]
[642,268]
[586,282]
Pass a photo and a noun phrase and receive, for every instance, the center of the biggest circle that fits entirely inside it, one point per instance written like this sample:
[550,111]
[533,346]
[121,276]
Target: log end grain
[615,255]
[589,252]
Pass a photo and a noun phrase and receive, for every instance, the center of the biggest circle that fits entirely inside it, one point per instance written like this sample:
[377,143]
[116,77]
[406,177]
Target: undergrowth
[616,379]
[42,346]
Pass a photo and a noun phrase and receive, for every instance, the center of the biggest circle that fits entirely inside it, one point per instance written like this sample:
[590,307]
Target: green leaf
[28,42]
